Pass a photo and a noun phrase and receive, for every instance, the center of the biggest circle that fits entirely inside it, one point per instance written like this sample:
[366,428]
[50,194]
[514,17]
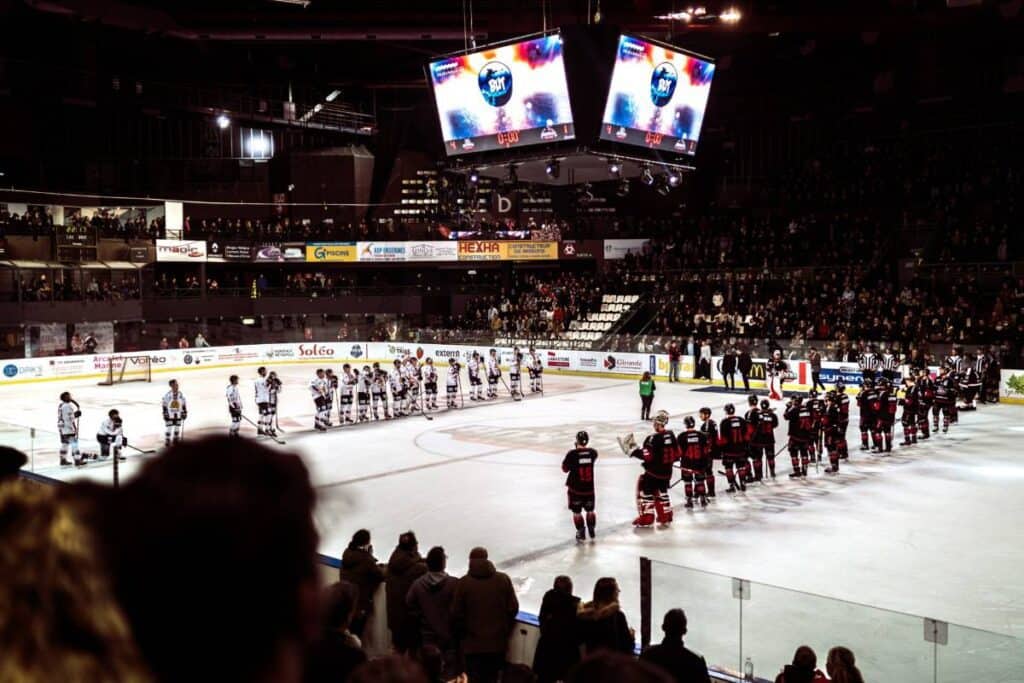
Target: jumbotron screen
[501,97]
[657,97]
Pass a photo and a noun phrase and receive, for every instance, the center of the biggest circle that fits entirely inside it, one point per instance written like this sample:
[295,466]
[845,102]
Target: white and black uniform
[67,426]
[869,363]
[318,391]
[347,388]
[398,393]
[476,388]
[515,370]
[175,413]
[891,367]
[332,389]
[493,375]
[363,381]
[273,389]
[411,375]
[430,386]
[234,398]
[379,392]
[452,384]
[536,368]
[262,403]
[111,434]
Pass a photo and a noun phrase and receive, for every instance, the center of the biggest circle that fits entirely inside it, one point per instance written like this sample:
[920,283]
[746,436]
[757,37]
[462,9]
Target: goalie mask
[661,419]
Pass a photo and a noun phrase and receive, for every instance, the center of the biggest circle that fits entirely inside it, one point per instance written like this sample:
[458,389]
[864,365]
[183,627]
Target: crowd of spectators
[68,288]
[202,567]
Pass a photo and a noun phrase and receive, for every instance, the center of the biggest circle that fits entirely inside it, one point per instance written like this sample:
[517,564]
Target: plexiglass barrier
[753,628]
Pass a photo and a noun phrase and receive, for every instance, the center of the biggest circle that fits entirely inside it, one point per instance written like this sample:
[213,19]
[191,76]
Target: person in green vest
[647,388]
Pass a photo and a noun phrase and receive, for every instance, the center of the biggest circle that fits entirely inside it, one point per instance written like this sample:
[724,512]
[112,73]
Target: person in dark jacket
[430,605]
[744,363]
[729,368]
[601,624]
[803,669]
[338,652]
[484,613]
[558,648]
[405,566]
[360,568]
[683,665]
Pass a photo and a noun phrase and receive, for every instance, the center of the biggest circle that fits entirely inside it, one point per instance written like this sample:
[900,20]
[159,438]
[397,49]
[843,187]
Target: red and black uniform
[733,440]
[751,417]
[709,428]
[909,418]
[835,440]
[578,465]
[658,454]
[844,419]
[801,427]
[945,399]
[762,441]
[866,401]
[817,406]
[886,403]
[925,398]
[693,458]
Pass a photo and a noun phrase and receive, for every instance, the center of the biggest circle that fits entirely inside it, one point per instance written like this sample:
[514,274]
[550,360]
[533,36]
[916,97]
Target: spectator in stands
[404,566]
[558,648]
[360,567]
[183,342]
[212,551]
[729,367]
[803,669]
[671,655]
[338,652]
[200,341]
[484,613]
[615,667]
[164,345]
[601,623]
[841,666]
[59,619]
[430,603]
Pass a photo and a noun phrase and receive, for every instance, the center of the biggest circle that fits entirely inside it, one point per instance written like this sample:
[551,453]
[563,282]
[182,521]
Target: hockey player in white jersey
[68,413]
[398,391]
[318,392]
[515,374]
[347,389]
[411,371]
[332,391]
[262,401]
[234,398]
[452,382]
[379,392]
[175,411]
[493,374]
[273,388]
[476,384]
[363,381]
[430,385]
[111,436]
[536,368]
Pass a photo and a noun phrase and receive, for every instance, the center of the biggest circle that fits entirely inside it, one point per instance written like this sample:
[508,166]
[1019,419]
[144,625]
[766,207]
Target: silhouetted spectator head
[606,591]
[360,539]
[407,541]
[842,666]
[11,460]
[614,667]
[805,658]
[478,553]
[436,559]
[212,551]
[563,584]
[391,669]
[674,623]
[340,605]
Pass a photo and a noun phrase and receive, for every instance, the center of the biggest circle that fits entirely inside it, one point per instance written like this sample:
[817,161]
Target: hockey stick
[423,409]
[511,393]
[139,450]
[269,436]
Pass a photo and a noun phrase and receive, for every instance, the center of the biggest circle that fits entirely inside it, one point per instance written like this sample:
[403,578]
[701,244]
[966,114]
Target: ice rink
[932,530]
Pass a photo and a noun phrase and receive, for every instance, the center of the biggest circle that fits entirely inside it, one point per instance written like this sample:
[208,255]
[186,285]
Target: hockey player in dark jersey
[844,414]
[886,403]
[709,428]
[970,384]
[925,386]
[733,439]
[578,465]
[832,426]
[751,417]
[658,454]
[866,403]
[762,442]
[817,407]
[908,420]
[945,399]
[801,426]
[693,462]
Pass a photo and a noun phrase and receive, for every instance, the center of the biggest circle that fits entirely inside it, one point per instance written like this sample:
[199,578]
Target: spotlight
[223,121]
[553,169]
[623,188]
[730,16]
[474,176]
[646,176]
[614,168]
[673,177]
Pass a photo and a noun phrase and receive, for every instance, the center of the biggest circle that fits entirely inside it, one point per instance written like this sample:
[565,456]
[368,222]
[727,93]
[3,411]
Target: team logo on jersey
[495,81]
[663,83]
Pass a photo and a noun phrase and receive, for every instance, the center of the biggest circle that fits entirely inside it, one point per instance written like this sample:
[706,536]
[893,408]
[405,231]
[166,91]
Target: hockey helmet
[765,405]
[730,409]
[883,383]
[798,398]
[493,351]
[661,419]
[430,361]
[812,394]
[777,353]
[689,422]
[752,400]
[451,361]
[869,383]
[582,438]
[840,385]
[398,363]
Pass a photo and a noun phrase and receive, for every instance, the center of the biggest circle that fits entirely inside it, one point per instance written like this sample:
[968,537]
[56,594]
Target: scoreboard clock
[76,244]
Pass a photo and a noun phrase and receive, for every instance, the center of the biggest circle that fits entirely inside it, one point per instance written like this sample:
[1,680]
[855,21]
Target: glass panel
[973,655]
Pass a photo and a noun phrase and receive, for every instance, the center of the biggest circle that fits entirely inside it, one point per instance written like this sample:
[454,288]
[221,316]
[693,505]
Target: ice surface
[932,531]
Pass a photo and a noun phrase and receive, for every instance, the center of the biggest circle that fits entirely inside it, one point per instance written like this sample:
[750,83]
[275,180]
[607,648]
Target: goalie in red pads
[658,454]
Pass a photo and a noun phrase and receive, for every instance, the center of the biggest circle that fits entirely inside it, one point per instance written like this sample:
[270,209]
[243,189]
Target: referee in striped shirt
[891,366]
[869,363]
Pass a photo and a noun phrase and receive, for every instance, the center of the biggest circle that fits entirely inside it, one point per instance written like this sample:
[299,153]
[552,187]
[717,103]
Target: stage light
[553,169]
[673,177]
[614,168]
[223,121]
[730,16]
[333,95]
[646,176]
[474,176]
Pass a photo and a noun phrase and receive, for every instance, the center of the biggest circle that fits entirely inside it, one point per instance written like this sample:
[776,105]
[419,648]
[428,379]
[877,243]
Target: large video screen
[657,97]
[501,97]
